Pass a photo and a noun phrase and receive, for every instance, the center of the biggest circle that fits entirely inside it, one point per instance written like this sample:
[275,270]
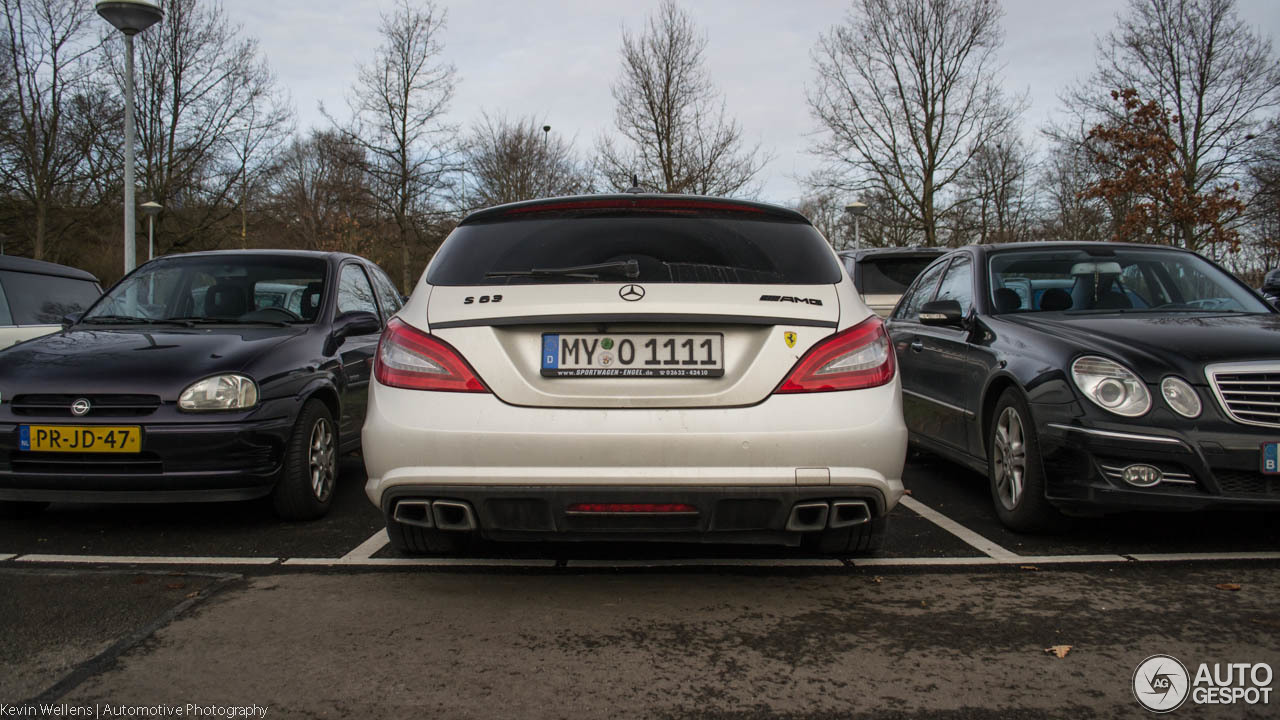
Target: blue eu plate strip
[550,352]
[1271,458]
[24,437]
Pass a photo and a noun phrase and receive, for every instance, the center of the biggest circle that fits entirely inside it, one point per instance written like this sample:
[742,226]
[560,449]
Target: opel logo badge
[80,407]
[631,293]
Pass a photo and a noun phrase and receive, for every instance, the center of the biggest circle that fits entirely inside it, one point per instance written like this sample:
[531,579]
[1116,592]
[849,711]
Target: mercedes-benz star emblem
[80,407]
[631,293]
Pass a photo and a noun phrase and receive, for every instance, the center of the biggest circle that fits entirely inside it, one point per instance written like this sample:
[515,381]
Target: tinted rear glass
[668,249]
[890,275]
[44,299]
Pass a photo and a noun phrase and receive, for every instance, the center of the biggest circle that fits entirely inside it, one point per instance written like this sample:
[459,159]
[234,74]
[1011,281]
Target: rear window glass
[891,275]
[709,249]
[43,299]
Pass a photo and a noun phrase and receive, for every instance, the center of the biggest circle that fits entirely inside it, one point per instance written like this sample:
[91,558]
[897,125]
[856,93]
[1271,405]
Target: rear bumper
[721,514]
[179,463]
[840,444]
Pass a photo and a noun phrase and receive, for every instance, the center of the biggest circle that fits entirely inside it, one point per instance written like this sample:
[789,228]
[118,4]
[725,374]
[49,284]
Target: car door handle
[917,346]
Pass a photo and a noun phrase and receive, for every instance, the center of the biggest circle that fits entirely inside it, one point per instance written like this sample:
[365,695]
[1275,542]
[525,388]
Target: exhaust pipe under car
[453,515]
[413,512]
[808,517]
[847,513]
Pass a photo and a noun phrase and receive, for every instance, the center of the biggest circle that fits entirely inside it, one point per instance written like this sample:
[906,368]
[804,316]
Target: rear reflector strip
[645,508]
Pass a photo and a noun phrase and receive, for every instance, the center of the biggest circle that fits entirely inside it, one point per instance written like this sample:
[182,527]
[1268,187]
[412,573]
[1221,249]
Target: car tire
[414,540]
[1015,472]
[21,509]
[864,539]
[305,487]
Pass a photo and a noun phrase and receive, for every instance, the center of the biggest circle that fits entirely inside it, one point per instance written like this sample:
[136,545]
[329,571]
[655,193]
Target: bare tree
[997,188]
[907,92]
[319,195]
[206,102]
[675,136]
[398,108]
[825,210]
[46,45]
[511,160]
[1068,214]
[1214,76]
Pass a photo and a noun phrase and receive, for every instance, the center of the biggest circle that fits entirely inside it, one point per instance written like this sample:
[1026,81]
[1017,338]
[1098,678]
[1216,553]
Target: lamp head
[130,16]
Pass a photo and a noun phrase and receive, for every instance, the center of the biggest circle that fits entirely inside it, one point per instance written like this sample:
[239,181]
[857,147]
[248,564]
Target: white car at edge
[635,367]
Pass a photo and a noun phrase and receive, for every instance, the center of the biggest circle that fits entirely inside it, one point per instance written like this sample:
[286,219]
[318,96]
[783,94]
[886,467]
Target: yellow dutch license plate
[72,438]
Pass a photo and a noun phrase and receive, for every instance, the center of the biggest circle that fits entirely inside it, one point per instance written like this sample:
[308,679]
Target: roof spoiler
[674,204]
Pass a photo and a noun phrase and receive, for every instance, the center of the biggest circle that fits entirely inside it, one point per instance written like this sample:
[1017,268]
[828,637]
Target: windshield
[660,248]
[226,289]
[1113,280]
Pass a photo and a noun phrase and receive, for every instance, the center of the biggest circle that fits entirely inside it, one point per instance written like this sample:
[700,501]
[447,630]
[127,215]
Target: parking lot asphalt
[225,604]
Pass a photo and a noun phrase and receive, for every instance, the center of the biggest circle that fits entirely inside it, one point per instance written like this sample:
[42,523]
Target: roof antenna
[635,185]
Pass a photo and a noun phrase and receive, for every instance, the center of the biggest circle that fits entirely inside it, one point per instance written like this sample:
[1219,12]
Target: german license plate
[1271,458]
[687,355]
[71,438]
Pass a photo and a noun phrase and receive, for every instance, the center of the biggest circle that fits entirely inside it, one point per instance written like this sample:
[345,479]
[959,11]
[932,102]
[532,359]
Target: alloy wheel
[323,461]
[1010,458]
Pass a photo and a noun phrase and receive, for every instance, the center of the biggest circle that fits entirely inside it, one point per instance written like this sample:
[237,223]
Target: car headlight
[1111,386]
[220,392]
[1180,396]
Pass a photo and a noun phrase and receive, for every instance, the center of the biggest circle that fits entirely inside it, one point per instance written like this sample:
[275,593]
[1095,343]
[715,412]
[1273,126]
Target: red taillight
[860,357]
[411,359]
[647,508]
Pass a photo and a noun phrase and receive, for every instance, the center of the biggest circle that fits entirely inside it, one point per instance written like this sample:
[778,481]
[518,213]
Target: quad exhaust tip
[453,515]
[414,512]
[847,513]
[808,517]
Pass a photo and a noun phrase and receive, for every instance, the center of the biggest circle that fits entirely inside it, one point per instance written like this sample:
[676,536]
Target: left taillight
[411,359]
[860,357]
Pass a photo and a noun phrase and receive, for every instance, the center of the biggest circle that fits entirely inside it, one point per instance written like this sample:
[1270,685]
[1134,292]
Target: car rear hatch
[635,301]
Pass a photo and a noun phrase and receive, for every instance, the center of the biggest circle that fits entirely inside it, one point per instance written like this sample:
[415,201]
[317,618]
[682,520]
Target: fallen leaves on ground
[1059,650]
[176,586]
[1028,567]
[1231,587]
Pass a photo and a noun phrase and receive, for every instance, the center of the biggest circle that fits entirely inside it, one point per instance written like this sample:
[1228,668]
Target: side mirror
[71,319]
[942,313]
[356,322]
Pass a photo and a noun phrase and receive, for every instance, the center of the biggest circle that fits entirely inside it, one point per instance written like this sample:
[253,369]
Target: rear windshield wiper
[629,269]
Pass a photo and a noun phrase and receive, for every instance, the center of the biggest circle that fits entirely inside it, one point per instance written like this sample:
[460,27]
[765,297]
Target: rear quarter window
[668,249]
[892,275]
[43,299]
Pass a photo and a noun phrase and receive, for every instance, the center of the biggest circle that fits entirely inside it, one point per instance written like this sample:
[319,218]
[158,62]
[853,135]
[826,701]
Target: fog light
[1143,476]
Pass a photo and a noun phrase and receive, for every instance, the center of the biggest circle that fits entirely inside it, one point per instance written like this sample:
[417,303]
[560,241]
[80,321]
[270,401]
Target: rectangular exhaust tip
[453,515]
[413,512]
[808,517]
[847,513]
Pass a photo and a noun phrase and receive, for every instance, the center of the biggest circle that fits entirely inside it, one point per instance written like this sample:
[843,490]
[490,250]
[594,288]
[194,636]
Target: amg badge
[790,299]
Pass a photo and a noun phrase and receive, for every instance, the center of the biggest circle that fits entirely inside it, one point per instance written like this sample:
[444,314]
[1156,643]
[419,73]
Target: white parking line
[980,543]
[428,562]
[145,560]
[716,562]
[1173,557]
[6,556]
[366,549]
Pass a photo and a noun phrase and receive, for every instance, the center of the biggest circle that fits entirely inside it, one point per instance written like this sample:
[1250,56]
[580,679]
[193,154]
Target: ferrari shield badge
[790,337]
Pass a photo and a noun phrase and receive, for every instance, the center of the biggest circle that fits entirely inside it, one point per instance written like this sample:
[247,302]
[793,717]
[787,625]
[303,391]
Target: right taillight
[411,359]
[860,357]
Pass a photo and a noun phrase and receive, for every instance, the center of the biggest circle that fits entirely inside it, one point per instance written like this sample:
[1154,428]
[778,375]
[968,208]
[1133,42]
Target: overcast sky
[556,59]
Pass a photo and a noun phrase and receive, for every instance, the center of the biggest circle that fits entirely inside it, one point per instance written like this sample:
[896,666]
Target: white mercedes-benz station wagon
[635,367]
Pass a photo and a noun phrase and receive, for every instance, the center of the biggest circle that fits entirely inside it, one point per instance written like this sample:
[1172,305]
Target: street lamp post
[129,17]
[857,210]
[152,209]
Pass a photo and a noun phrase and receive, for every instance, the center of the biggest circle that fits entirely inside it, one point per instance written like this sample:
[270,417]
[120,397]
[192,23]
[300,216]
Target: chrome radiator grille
[1248,392]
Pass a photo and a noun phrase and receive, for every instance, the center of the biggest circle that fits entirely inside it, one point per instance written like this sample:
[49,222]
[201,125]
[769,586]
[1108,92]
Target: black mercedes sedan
[199,377]
[1084,378]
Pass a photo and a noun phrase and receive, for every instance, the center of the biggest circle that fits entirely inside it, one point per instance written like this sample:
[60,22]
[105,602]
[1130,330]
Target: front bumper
[475,447]
[1218,462]
[179,462]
